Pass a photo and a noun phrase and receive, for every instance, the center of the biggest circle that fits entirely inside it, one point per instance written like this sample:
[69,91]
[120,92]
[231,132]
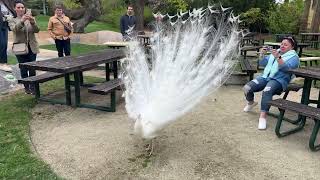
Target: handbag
[21,48]
[66,28]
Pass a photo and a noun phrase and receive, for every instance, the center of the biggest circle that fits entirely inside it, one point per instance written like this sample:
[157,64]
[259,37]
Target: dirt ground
[214,141]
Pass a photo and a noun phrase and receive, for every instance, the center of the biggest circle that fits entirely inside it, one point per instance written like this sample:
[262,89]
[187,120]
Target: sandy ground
[214,141]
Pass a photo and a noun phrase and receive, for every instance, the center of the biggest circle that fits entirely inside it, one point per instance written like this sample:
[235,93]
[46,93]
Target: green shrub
[285,18]
[148,17]
[173,6]
[71,4]
[113,16]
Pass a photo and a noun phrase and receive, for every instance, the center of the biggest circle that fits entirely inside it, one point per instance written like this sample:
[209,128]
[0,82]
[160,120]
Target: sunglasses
[290,38]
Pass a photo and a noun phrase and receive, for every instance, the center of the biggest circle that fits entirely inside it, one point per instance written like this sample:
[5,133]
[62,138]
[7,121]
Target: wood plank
[70,64]
[41,78]
[308,72]
[302,109]
[106,87]
[309,58]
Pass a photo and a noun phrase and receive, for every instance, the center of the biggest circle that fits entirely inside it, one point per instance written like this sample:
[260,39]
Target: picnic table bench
[36,80]
[301,109]
[309,60]
[105,88]
[247,67]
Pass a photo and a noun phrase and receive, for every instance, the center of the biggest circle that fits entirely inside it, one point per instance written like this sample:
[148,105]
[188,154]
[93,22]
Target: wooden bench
[247,67]
[303,110]
[105,88]
[308,61]
[36,80]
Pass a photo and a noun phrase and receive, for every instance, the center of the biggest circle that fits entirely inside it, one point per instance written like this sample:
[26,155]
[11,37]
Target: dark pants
[3,45]
[25,72]
[63,46]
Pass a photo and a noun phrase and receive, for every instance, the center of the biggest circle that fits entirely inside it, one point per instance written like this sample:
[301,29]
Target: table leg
[107,71]
[81,78]
[77,88]
[300,51]
[305,95]
[67,88]
[115,69]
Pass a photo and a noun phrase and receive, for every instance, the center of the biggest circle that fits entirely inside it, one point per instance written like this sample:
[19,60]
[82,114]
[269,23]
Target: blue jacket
[282,76]
[125,22]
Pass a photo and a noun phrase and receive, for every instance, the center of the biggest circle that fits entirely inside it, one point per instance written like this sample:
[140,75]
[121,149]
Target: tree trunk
[139,11]
[316,17]
[75,14]
[305,16]
[92,10]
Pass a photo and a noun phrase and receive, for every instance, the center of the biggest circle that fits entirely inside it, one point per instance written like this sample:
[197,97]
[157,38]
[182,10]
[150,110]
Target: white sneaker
[249,107]
[262,124]
[5,67]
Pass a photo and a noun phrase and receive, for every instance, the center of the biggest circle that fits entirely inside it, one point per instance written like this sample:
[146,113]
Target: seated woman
[274,79]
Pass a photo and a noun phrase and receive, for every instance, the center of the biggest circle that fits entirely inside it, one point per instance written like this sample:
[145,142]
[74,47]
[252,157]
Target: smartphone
[28,12]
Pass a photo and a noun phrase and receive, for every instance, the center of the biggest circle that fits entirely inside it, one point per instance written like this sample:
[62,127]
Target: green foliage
[254,18]
[71,4]
[285,18]
[113,16]
[108,5]
[148,17]
[172,6]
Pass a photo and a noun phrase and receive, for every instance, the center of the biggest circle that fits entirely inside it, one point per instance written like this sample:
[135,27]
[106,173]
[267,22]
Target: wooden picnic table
[302,109]
[145,38]
[245,49]
[116,45]
[312,38]
[75,65]
[276,45]
[309,74]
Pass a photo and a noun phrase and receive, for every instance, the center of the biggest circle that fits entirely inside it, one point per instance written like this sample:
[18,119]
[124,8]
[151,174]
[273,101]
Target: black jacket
[125,22]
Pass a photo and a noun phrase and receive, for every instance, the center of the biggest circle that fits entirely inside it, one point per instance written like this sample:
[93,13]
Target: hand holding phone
[28,12]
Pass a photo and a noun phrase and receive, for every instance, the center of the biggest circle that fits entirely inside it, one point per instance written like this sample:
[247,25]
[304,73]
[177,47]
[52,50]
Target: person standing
[60,29]
[24,28]
[6,9]
[127,23]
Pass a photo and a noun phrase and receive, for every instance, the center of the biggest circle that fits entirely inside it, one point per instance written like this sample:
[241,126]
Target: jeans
[3,45]
[30,57]
[269,88]
[63,46]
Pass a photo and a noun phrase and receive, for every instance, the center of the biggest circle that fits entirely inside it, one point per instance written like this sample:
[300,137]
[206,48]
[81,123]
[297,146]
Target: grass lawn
[315,53]
[77,48]
[12,60]
[92,27]
[17,160]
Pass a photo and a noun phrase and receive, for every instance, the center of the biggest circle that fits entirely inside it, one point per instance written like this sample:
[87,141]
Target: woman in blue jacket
[274,79]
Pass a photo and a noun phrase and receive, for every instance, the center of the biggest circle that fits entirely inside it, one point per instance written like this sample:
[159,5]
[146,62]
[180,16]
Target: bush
[285,18]
[113,16]
[71,4]
[148,16]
